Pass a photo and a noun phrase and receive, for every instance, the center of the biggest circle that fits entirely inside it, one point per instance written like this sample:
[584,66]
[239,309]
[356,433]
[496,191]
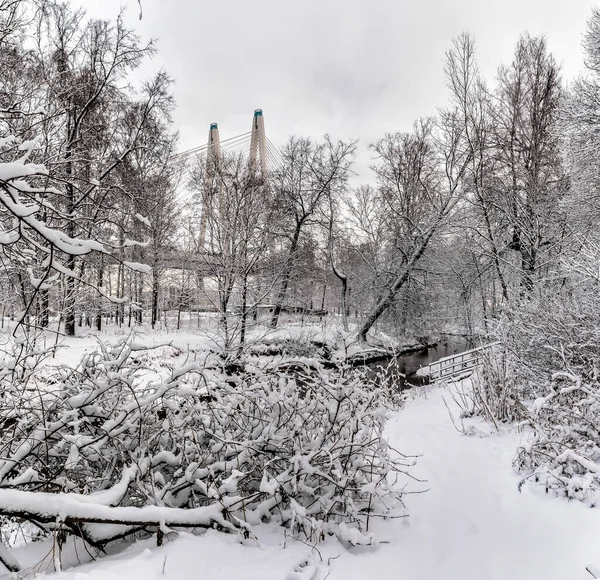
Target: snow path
[472,524]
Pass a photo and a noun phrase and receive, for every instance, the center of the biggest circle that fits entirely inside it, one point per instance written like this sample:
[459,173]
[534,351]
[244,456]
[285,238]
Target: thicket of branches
[99,153]
[119,440]
[555,345]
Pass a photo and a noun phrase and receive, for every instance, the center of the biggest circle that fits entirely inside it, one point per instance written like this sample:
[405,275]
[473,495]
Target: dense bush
[496,388]
[555,352]
[301,445]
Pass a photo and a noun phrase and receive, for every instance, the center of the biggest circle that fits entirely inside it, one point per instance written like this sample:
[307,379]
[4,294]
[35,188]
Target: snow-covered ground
[207,336]
[472,524]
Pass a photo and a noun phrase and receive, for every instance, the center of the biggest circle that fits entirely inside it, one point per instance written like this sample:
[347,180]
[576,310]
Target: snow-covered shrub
[556,346]
[300,445]
[495,389]
[297,345]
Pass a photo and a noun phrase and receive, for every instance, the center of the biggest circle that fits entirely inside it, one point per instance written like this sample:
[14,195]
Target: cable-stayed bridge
[255,144]
[261,155]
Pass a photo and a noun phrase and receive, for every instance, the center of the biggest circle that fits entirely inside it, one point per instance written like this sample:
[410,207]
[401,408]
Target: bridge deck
[461,364]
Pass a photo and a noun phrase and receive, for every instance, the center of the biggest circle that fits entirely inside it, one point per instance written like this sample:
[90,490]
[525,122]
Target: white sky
[352,68]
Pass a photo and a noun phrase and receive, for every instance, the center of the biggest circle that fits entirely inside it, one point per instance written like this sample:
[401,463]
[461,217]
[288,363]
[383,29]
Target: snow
[137,267]
[8,237]
[143,219]
[471,524]
[591,466]
[128,243]
[26,211]
[29,145]
[211,556]
[269,485]
[71,507]
[10,171]
[8,140]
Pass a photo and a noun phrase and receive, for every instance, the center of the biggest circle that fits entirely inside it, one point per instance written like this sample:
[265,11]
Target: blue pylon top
[258,113]
[214,126]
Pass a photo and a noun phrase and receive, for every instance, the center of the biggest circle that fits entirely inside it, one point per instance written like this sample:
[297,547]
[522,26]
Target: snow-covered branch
[122,442]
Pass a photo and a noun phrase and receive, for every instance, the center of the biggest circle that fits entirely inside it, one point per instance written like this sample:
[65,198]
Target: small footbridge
[456,366]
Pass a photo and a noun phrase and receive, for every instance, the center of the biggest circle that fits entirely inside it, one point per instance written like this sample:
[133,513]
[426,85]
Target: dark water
[397,368]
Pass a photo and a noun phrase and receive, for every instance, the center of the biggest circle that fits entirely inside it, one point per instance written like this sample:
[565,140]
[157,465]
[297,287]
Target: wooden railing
[461,364]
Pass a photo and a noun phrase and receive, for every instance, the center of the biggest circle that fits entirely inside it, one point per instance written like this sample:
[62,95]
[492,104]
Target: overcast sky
[352,68]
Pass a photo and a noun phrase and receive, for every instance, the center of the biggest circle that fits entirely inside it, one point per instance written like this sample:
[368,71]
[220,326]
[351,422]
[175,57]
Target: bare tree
[311,172]
[85,66]
[420,176]
[333,220]
[485,222]
[532,177]
[579,129]
[238,213]
[368,248]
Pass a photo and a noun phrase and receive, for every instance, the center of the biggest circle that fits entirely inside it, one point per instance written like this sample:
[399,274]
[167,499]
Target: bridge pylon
[258,143]
[257,161]
[212,181]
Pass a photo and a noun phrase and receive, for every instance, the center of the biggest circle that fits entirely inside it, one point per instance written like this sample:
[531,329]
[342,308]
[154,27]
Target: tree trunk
[69,303]
[244,321]
[155,290]
[341,277]
[100,284]
[138,298]
[223,319]
[122,294]
[287,271]
[118,284]
[343,303]
[528,267]
[323,301]
[225,290]
[496,255]
[401,279]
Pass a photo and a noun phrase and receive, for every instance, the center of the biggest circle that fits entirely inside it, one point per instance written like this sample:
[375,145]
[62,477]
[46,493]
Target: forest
[187,340]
